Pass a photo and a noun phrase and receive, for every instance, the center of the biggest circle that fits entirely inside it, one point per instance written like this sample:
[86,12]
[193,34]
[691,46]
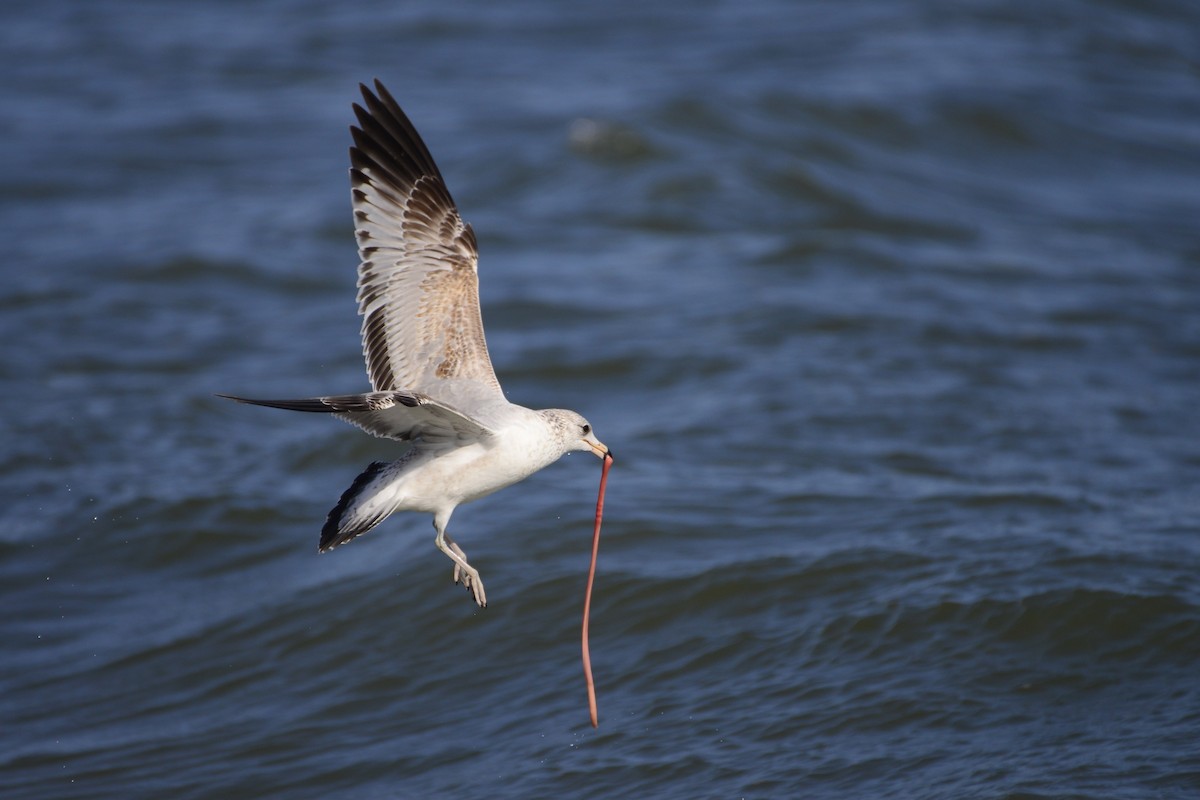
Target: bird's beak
[599,448]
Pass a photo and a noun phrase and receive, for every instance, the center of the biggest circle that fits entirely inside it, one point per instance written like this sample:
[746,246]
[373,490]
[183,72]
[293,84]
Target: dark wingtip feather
[310,404]
[385,122]
[332,534]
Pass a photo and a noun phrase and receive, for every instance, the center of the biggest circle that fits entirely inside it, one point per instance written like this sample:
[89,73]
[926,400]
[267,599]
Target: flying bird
[427,359]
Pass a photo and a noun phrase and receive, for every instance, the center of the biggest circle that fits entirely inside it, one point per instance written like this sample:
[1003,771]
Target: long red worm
[587,598]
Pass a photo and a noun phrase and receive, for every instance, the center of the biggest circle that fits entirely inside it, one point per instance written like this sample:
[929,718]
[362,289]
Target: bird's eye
[587,429]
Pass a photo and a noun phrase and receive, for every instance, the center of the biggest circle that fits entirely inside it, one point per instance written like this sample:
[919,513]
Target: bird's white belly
[461,475]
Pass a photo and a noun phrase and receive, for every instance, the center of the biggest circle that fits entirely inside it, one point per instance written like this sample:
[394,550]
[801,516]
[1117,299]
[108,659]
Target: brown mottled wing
[418,289]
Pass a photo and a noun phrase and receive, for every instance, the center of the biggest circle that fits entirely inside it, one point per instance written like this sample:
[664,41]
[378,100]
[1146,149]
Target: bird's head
[576,433]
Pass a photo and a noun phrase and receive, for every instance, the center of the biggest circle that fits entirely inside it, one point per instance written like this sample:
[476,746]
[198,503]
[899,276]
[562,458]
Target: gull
[432,379]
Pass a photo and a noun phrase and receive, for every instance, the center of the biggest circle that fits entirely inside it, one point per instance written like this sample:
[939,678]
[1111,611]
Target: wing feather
[404,416]
[418,284]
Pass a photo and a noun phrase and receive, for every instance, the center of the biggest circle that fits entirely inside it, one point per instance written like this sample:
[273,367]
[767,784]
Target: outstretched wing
[418,287]
[391,415]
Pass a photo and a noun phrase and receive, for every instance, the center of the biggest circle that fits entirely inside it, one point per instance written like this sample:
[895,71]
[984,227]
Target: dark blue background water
[889,309]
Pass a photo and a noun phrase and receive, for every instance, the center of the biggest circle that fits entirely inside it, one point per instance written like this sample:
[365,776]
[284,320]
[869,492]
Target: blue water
[889,311]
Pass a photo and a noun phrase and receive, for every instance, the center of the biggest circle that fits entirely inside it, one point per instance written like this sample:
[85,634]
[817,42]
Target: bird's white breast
[466,473]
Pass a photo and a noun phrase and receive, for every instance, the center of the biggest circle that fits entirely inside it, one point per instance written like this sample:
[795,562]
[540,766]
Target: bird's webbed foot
[464,573]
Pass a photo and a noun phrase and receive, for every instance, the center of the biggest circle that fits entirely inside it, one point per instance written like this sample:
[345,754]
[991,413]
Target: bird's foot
[467,575]
[473,583]
[463,572]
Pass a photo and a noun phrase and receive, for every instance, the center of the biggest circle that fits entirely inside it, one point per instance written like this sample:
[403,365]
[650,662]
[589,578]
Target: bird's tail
[364,505]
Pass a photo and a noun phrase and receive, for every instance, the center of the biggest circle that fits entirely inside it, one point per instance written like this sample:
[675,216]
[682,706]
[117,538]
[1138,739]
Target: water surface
[888,309]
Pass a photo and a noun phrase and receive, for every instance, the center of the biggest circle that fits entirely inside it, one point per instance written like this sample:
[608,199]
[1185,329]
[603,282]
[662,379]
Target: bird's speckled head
[574,432]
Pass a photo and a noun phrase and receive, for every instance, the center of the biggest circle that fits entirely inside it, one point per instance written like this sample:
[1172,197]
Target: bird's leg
[462,570]
[458,570]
